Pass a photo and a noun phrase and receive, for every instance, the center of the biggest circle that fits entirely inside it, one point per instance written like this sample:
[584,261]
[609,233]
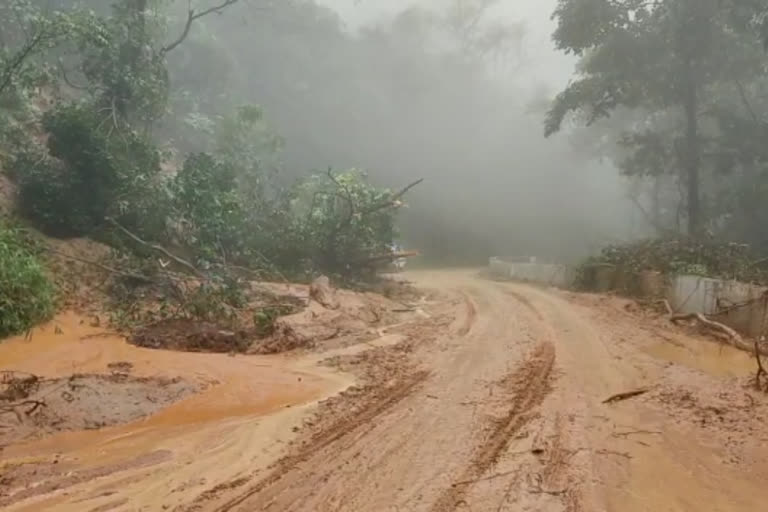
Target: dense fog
[451,91]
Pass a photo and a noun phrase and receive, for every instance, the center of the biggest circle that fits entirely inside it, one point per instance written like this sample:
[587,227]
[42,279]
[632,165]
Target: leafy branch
[46,32]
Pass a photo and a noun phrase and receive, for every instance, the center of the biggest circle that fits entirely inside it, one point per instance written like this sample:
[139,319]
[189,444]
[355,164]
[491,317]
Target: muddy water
[223,432]
[710,357]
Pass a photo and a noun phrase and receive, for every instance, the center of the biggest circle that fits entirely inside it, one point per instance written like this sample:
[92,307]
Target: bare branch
[393,200]
[157,248]
[733,338]
[66,79]
[191,17]
[132,275]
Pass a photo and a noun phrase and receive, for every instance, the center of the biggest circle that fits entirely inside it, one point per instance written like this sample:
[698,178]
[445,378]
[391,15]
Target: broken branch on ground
[620,397]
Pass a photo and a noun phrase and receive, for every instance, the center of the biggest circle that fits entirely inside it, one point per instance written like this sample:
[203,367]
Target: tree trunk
[131,56]
[658,220]
[690,105]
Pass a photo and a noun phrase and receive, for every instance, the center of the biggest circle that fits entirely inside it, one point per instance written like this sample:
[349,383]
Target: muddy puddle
[33,407]
[713,358]
[223,418]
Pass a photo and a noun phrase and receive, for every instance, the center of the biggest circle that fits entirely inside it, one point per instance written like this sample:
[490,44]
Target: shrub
[93,169]
[703,257]
[26,294]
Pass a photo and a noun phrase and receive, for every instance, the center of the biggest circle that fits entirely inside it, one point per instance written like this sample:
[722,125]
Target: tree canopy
[684,80]
[88,111]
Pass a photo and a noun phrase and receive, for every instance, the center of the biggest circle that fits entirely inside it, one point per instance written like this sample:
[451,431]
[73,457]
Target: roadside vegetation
[83,90]
[26,293]
[673,94]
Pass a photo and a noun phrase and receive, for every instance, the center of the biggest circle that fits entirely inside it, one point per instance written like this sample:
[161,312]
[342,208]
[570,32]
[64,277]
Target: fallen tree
[348,225]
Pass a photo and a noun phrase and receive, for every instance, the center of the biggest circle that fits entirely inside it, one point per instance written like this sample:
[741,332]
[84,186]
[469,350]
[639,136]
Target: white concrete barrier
[742,306]
[549,274]
[696,294]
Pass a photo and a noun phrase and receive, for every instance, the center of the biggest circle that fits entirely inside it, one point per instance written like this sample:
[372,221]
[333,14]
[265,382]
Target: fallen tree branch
[620,397]
[392,201]
[157,248]
[635,432]
[387,257]
[138,277]
[612,452]
[732,336]
[760,369]
[14,406]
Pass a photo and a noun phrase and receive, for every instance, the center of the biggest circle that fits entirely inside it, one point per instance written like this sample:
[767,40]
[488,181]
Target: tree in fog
[679,64]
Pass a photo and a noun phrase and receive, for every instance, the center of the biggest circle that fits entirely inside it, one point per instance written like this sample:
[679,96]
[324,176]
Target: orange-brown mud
[82,402]
[217,422]
[484,396]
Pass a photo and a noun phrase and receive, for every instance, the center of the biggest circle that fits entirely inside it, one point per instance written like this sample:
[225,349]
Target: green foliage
[328,222]
[246,141]
[685,256]
[92,170]
[690,73]
[227,205]
[231,208]
[638,55]
[215,302]
[31,36]
[211,214]
[26,294]
[126,71]
[29,31]
[341,219]
[265,318]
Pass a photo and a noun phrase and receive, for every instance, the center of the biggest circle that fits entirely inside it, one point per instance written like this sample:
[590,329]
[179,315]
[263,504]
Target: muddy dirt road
[493,403]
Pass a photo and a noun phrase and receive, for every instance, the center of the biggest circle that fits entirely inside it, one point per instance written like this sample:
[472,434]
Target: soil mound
[191,336]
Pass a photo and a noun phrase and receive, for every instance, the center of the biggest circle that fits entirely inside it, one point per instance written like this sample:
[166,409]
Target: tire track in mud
[529,385]
[383,399]
[69,478]
[471,312]
[555,460]
[525,302]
